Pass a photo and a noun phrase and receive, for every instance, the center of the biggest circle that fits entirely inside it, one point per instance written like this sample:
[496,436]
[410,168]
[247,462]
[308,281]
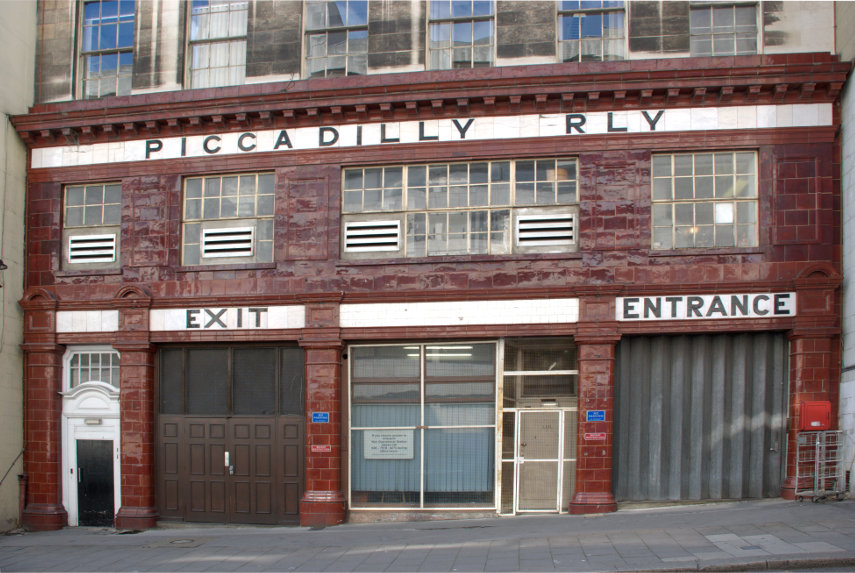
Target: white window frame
[102,230]
[235,42]
[602,11]
[347,29]
[674,202]
[712,6]
[99,53]
[451,20]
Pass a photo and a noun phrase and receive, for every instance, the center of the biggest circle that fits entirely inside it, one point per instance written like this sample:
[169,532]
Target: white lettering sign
[437,130]
[228,318]
[388,444]
[708,306]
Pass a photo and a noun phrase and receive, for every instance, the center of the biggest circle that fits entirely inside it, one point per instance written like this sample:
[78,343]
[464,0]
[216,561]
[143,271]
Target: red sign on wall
[595,436]
[321,449]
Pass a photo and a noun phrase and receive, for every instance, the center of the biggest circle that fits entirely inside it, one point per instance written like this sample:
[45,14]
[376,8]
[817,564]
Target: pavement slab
[752,535]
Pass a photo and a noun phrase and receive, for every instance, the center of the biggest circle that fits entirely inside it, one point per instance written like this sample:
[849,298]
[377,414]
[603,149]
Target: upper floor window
[218,43]
[92,215]
[591,30]
[484,207]
[705,200]
[723,30]
[91,364]
[336,38]
[228,219]
[461,34]
[107,49]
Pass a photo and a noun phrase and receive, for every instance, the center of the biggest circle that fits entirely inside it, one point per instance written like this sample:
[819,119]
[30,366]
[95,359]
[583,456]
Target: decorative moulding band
[653,120]
[460,313]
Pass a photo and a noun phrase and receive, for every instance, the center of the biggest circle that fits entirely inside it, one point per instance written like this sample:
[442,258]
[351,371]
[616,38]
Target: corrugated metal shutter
[700,417]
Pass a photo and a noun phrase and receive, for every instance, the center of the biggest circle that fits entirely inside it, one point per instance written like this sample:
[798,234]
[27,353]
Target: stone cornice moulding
[556,88]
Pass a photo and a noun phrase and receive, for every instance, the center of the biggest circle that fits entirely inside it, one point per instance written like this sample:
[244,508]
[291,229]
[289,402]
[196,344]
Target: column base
[788,489]
[592,502]
[44,517]
[136,518]
[322,508]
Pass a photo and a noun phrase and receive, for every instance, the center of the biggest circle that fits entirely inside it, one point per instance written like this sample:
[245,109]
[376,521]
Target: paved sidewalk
[757,535]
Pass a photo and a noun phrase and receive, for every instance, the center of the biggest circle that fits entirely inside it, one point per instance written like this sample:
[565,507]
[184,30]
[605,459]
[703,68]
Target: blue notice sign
[320,417]
[595,416]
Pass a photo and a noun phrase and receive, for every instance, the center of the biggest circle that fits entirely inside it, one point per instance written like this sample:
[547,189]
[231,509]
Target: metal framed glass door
[538,461]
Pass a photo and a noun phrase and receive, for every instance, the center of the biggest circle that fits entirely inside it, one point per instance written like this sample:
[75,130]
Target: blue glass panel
[482,8]
[592,26]
[569,5]
[336,13]
[462,33]
[126,34]
[108,37]
[109,62]
[440,9]
[570,28]
[357,13]
[126,8]
[461,8]
[91,13]
[591,4]
[90,39]
[483,32]
[109,9]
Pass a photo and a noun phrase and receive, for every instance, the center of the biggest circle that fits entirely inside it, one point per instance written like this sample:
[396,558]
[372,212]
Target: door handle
[231,470]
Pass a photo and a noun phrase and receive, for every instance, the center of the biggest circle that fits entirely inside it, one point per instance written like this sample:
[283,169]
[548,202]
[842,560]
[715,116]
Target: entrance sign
[505,128]
[228,318]
[388,444]
[707,306]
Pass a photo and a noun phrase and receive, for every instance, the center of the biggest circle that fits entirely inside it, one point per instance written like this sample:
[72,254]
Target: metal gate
[700,417]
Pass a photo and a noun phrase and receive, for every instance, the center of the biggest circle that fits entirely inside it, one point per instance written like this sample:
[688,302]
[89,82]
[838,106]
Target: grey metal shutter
[700,416]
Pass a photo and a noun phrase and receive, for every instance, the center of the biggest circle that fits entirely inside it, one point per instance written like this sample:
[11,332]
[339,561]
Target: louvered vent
[230,242]
[92,248]
[366,236]
[545,230]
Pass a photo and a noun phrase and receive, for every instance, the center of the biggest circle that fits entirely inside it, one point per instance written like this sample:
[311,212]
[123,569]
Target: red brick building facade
[409,400]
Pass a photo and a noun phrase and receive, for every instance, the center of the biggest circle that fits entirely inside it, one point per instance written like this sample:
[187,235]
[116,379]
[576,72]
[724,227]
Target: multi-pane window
[336,38]
[218,42]
[98,365]
[461,34]
[723,30]
[107,47]
[92,214]
[228,219]
[591,30]
[423,425]
[482,207]
[705,200]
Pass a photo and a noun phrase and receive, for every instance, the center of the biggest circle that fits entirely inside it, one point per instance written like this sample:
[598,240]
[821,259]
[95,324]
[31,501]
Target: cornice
[555,88]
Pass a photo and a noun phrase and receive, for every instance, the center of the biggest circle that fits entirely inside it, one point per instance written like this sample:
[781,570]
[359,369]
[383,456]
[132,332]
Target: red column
[43,508]
[323,501]
[594,439]
[136,402]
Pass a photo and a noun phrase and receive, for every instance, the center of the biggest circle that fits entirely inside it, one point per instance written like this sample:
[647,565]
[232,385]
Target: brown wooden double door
[230,470]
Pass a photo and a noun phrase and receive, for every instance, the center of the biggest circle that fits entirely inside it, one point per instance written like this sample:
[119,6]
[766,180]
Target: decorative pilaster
[594,440]
[814,355]
[137,411]
[43,508]
[323,501]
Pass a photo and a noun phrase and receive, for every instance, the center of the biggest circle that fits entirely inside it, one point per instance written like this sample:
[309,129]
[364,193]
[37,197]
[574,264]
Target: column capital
[320,338]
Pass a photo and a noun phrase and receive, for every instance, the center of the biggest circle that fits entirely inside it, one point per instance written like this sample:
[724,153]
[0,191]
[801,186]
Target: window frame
[83,54]
[237,223]
[509,184]
[190,43]
[713,200]
[99,231]
[602,11]
[325,31]
[712,6]
[73,351]
[452,20]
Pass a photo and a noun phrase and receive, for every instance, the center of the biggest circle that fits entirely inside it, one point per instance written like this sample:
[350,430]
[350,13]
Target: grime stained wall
[845,23]
[17,48]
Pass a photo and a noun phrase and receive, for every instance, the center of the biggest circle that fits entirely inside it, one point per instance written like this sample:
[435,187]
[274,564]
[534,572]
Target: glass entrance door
[538,462]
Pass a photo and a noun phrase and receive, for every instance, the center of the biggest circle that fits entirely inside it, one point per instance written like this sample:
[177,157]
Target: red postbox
[815,416]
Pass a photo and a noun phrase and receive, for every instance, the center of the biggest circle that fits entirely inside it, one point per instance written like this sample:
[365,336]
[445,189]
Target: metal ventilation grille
[365,236]
[230,242]
[537,230]
[92,248]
